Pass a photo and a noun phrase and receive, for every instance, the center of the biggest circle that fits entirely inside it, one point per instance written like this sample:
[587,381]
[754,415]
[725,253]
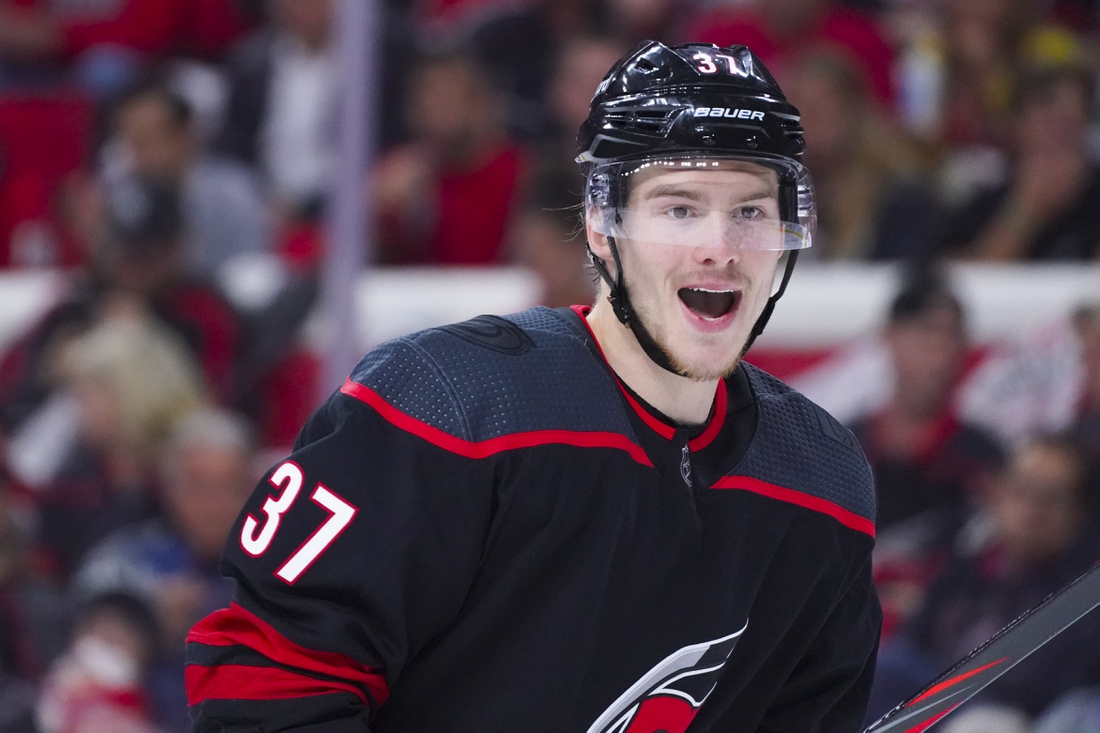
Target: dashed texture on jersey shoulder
[540,376]
[801,447]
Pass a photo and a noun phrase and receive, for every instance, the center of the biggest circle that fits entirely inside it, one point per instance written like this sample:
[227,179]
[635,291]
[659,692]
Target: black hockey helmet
[687,102]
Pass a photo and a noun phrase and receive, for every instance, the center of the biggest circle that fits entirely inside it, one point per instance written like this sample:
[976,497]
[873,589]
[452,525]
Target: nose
[717,256]
[721,243]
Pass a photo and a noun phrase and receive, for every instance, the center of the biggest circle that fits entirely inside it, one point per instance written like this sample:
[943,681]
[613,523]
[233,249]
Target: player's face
[700,297]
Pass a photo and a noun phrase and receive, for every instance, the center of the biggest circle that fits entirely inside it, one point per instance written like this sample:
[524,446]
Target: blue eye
[678,212]
[749,212]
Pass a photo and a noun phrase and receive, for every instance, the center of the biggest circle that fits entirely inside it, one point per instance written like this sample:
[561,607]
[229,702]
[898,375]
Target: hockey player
[589,519]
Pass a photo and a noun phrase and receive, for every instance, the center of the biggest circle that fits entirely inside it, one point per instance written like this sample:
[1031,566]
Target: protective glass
[700,202]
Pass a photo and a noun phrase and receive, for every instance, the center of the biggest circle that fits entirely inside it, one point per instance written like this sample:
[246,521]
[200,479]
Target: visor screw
[752,143]
[708,139]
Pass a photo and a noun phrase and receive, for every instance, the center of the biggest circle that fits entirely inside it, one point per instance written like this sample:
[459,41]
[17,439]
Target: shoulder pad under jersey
[801,447]
[493,376]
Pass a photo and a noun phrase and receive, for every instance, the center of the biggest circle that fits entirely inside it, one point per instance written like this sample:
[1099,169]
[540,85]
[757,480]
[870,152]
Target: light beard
[680,367]
[698,376]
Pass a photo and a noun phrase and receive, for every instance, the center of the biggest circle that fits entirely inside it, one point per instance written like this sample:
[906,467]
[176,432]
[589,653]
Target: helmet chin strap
[624,311]
[620,303]
[766,314]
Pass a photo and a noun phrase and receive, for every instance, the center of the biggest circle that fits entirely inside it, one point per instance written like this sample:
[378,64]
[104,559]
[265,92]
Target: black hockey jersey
[484,531]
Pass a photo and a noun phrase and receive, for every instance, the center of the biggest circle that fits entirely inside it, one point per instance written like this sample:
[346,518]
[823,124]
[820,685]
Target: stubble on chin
[698,375]
[695,372]
[683,367]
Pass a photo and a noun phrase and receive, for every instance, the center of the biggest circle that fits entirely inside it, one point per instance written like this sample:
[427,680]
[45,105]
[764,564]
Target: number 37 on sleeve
[256,538]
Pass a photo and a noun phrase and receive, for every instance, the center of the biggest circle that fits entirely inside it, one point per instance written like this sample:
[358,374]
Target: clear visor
[693,202]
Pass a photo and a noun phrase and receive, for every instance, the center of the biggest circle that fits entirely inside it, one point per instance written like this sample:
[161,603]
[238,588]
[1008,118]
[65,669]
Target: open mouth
[709,304]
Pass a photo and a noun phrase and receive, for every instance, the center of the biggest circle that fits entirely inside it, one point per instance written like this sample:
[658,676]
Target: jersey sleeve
[829,688]
[349,558]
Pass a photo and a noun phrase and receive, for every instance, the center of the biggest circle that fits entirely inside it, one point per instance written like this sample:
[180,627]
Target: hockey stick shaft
[1003,651]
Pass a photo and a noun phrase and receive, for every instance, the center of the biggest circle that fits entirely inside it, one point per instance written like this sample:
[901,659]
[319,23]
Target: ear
[597,242]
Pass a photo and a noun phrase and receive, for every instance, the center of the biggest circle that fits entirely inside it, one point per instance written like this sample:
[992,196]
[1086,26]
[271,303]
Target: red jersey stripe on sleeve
[847,518]
[241,682]
[236,626]
[485,448]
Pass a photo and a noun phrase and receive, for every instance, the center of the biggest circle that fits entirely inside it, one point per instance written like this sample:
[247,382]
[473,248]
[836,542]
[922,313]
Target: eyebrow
[678,191]
[674,190]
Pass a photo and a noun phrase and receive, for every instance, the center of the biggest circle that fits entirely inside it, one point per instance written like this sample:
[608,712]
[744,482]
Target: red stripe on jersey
[814,503]
[665,431]
[721,403]
[235,626]
[485,448]
[240,682]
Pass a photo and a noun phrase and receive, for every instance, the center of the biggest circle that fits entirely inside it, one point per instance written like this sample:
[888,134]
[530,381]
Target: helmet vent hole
[645,65]
[653,121]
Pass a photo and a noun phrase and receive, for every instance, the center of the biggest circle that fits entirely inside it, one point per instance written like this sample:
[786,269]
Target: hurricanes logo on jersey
[669,696]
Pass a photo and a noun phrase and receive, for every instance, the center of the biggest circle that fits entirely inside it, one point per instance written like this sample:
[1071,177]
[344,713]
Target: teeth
[708,290]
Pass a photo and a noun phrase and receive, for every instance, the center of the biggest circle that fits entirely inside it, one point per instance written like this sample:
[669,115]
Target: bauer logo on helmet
[740,114]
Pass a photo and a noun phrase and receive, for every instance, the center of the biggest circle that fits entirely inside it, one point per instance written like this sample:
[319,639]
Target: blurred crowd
[988,488]
[151,150]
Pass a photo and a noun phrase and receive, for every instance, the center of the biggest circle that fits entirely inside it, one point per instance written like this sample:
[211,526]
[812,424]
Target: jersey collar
[656,421]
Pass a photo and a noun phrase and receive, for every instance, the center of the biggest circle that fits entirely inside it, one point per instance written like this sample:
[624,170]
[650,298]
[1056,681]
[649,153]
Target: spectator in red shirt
[152,27]
[448,195]
[929,465]
[111,39]
[45,138]
[779,30]
[923,457]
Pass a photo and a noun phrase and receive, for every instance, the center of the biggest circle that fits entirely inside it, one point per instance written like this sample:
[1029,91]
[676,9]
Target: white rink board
[396,301]
[24,297]
[827,304]
[824,305]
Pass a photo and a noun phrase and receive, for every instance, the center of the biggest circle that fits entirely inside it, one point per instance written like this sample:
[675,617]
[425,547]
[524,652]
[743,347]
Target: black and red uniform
[483,530]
